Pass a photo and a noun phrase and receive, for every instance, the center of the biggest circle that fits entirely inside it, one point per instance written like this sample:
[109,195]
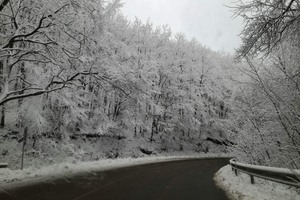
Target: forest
[81,82]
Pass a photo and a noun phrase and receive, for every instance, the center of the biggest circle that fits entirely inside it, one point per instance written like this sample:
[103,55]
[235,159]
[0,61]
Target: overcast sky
[209,21]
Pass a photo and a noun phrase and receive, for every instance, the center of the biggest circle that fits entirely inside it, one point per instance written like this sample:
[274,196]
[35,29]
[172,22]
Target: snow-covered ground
[240,188]
[46,151]
[14,178]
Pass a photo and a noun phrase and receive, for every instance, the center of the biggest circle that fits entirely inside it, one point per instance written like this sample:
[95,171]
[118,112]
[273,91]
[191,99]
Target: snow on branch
[35,91]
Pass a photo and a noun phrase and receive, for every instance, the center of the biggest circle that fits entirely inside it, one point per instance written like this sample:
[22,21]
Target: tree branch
[12,40]
[59,85]
[3,4]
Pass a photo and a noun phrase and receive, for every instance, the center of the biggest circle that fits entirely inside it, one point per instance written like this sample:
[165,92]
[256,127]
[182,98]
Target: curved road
[183,179]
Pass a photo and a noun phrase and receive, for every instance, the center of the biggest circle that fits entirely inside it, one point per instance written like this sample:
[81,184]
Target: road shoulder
[240,188]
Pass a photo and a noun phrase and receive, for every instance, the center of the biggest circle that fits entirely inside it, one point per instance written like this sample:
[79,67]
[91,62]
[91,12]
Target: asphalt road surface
[185,179]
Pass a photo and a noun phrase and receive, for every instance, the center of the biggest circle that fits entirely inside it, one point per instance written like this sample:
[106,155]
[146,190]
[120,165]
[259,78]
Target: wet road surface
[183,179]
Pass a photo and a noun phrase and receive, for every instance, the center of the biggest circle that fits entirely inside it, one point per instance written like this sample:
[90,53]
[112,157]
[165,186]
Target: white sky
[209,21]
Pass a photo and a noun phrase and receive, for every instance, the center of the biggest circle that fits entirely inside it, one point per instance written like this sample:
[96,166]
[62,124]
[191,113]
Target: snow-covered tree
[267,105]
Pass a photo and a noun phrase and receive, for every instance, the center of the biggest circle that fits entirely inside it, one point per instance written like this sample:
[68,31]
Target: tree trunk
[23,148]
[22,83]
[2,120]
[154,128]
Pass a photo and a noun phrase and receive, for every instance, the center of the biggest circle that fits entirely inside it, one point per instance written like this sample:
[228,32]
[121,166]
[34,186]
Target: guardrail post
[252,179]
[235,171]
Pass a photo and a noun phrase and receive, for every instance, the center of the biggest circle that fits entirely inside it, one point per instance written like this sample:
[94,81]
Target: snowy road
[185,179]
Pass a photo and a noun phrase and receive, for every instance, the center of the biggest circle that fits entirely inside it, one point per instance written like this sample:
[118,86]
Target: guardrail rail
[280,175]
[3,165]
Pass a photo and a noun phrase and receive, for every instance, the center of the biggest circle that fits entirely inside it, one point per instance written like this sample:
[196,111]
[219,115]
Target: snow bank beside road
[240,188]
[12,178]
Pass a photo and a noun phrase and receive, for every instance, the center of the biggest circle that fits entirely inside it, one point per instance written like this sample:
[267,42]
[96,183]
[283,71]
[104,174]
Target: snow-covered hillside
[78,148]
[121,89]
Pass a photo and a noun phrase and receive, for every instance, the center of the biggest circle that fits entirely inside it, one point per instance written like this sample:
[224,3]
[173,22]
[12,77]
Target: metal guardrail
[3,165]
[280,175]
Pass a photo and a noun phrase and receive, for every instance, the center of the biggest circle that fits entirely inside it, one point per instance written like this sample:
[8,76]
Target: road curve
[184,179]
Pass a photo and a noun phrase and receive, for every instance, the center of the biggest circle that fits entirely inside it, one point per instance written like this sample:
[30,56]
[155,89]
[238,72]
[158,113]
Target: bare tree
[266,24]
